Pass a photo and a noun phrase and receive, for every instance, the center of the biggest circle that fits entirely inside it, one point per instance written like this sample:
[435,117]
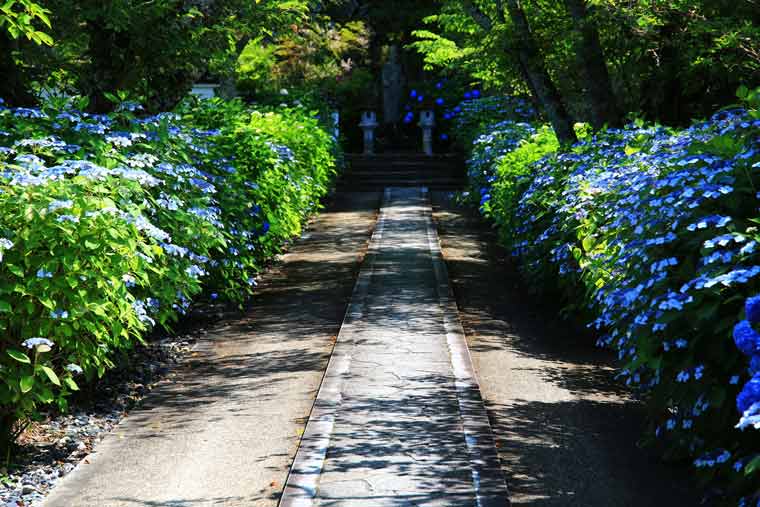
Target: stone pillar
[368,125]
[427,123]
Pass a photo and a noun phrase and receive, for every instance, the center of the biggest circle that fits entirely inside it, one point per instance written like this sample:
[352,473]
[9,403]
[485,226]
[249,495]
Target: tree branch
[500,11]
[480,17]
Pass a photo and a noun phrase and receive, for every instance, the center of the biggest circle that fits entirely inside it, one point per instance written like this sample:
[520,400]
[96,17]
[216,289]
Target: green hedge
[110,225]
[654,233]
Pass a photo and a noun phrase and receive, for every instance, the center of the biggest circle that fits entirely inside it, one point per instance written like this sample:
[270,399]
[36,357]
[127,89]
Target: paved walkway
[566,430]
[224,429]
[399,420]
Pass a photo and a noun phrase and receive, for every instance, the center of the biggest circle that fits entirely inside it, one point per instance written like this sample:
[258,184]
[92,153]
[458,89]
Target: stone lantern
[335,116]
[427,123]
[205,90]
[368,125]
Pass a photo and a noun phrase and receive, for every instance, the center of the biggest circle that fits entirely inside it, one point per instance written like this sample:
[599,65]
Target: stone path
[224,429]
[399,420]
[566,430]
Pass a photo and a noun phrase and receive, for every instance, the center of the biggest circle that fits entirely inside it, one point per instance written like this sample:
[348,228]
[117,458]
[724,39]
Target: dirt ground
[566,431]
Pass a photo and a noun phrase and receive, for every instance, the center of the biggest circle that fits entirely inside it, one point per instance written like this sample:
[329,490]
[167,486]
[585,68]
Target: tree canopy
[665,60]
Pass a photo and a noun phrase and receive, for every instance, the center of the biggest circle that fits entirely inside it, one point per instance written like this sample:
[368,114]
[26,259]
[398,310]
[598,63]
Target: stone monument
[393,87]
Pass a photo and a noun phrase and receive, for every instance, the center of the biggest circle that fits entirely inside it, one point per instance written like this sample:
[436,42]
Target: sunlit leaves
[18,18]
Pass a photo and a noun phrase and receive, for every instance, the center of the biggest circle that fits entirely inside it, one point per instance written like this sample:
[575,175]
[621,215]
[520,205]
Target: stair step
[444,172]
[404,173]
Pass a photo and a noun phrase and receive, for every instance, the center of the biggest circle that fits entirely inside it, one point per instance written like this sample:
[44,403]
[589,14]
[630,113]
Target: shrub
[511,172]
[654,231]
[111,225]
[477,116]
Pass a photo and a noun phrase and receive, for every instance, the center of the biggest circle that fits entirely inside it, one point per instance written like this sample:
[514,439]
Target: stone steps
[375,172]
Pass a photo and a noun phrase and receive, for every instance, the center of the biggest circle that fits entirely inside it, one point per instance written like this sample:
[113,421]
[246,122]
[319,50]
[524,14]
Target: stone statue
[393,86]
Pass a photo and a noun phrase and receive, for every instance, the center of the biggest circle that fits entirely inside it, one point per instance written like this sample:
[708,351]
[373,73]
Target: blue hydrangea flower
[749,394]
[754,364]
[41,273]
[752,307]
[750,417]
[746,338]
[59,314]
[31,343]
[74,368]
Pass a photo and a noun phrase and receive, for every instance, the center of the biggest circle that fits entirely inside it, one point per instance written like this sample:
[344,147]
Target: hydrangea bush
[654,232]
[476,116]
[110,225]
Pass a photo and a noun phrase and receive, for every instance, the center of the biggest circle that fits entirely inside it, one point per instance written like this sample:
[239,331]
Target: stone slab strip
[487,476]
[490,487]
[303,479]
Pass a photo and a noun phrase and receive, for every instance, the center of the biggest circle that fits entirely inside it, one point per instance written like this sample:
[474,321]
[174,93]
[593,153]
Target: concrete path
[566,430]
[399,420]
[224,429]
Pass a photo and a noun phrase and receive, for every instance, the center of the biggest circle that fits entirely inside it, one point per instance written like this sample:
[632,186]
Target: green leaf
[5,307]
[742,92]
[51,375]
[45,395]
[26,383]
[19,356]
[752,466]
[15,270]
[8,7]
[43,38]
[71,384]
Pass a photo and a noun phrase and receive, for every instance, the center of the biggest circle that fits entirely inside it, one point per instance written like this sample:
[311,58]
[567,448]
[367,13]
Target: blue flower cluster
[112,224]
[748,342]
[655,229]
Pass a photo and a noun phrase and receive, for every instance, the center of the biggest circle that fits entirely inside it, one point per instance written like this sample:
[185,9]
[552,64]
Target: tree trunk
[532,64]
[531,87]
[593,68]
[13,89]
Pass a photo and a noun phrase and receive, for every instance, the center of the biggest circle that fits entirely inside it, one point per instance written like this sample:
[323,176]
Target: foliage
[255,67]
[669,61]
[319,54]
[18,18]
[151,49]
[452,40]
[475,115]
[676,60]
[654,232]
[111,224]
[511,171]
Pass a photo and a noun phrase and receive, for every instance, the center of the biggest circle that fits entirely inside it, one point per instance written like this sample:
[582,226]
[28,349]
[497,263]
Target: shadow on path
[223,428]
[565,429]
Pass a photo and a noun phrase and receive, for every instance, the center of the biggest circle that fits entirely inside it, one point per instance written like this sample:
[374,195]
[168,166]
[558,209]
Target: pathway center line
[303,479]
[488,478]
[399,419]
